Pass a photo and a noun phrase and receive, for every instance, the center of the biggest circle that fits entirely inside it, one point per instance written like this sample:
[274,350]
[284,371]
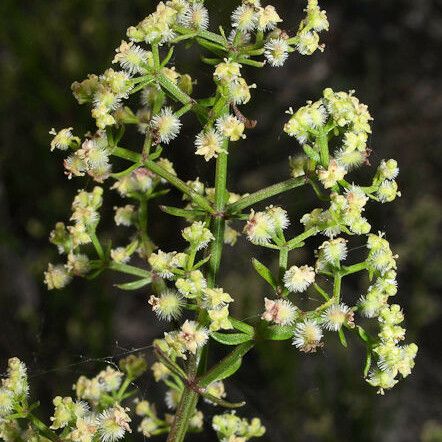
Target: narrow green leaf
[276,332]
[242,326]
[265,273]
[201,263]
[363,334]
[229,370]
[159,193]
[367,362]
[311,153]
[156,154]
[342,337]
[222,402]
[94,274]
[230,338]
[130,270]
[134,285]
[183,213]
[227,366]
[171,365]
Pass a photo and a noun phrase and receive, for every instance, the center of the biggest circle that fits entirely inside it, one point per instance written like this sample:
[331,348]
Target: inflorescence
[333,133]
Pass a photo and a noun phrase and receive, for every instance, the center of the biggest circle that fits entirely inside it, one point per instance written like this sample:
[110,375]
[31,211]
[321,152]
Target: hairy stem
[189,398]
[218,224]
[142,221]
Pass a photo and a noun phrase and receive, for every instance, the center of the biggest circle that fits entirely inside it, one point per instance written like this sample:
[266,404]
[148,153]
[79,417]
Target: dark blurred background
[388,51]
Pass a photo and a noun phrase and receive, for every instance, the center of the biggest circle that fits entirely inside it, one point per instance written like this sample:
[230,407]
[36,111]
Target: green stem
[321,291]
[43,429]
[354,268]
[142,226]
[123,388]
[156,56]
[323,148]
[218,224]
[135,157]
[180,185]
[293,243]
[283,260]
[207,35]
[266,193]
[126,154]
[189,398]
[97,245]
[337,287]
[178,95]
[184,412]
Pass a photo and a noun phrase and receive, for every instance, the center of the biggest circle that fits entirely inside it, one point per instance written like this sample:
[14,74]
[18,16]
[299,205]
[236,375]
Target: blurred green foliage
[386,50]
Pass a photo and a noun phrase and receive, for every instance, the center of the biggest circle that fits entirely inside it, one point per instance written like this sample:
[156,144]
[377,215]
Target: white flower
[268,18]
[382,379]
[259,228]
[166,125]
[276,51]
[228,72]
[307,336]
[113,424]
[193,336]
[124,215]
[172,399]
[132,58]
[120,255]
[168,306]
[196,17]
[308,42]
[388,191]
[6,401]
[279,217]
[231,127]
[280,311]
[109,379]
[162,263]
[388,169]
[244,18]
[330,176]
[216,298]
[356,197]
[209,144]
[297,279]
[56,277]
[336,316]
[62,139]
[219,319]
[350,159]
[334,250]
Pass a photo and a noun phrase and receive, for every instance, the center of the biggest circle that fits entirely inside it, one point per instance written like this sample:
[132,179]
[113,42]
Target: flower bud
[388,191]
[134,366]
[197,235]
[56,277]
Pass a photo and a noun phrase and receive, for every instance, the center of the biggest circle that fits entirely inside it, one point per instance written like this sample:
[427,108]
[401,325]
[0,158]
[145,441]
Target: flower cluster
[96,414]
[307,300]
[307,38]
[231,428]
[339,117]
[69,239]
[267,226]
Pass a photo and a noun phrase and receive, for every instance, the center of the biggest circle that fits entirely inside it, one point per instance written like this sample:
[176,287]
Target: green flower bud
[134,366]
